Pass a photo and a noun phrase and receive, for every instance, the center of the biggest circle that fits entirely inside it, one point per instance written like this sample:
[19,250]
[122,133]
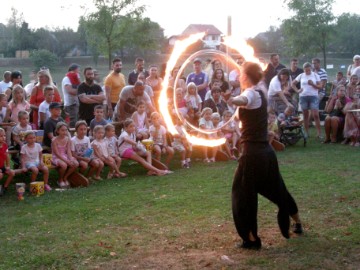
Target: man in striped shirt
[322,74]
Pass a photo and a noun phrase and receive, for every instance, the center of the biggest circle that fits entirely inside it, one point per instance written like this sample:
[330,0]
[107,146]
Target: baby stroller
[291,130]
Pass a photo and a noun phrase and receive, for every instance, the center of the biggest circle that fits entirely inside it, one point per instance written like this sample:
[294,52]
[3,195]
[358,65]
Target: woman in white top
[279,95]
[350,70]
[310,84]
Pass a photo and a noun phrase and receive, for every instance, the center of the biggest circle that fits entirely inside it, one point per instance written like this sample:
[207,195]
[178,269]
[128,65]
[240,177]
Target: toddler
[62,157]
[101,151]
[113,150]
[158,135]
[5,161]
[31,159]
[82,151]
[288,118]
[231,131]
[128,149]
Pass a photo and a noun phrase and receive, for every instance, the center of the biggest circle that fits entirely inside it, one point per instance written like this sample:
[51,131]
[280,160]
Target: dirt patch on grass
[214,249]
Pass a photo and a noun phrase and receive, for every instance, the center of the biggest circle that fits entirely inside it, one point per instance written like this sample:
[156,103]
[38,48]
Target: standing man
[114,83]
[273,68]
[323,77]
[139,67]
[200,79]
[129,98]
[294,72]
[90,94]
[69,86]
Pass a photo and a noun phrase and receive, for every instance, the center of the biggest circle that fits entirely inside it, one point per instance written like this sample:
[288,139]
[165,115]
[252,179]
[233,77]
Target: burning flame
[179,48]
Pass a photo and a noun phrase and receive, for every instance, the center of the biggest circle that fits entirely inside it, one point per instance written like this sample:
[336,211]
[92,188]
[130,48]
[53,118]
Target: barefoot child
[181,144]
[158,135]
[81,150]
[111,142]
[101,150]
[5,161]
[128,149]
[206,124]
[31,159]
[62,157]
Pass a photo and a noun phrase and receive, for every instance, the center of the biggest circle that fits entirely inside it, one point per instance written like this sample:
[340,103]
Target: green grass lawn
[184,220]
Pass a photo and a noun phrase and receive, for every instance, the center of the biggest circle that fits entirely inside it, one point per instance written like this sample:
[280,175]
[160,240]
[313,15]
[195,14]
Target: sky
[248,17]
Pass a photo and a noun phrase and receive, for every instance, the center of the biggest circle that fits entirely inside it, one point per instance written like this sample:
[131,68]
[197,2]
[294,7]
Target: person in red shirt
[5,162]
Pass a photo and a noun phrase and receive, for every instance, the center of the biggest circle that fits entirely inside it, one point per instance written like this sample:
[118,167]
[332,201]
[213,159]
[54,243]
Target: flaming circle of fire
[207,52]
[179,48]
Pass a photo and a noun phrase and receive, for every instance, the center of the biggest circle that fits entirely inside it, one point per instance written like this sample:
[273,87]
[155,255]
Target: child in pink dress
[62,157]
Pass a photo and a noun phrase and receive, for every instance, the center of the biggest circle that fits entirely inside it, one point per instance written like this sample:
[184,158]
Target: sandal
[326,141]
[121,175]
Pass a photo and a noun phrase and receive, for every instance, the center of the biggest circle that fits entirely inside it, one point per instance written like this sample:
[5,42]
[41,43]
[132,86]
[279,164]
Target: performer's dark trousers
[258,172]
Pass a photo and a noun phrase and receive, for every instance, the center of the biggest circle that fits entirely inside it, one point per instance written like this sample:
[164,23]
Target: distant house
[211,39]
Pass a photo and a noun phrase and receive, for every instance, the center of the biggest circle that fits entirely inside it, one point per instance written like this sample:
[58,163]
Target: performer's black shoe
[256,245]
[297,228]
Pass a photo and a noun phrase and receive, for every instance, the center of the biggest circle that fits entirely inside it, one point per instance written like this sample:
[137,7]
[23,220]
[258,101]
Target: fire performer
[258,170]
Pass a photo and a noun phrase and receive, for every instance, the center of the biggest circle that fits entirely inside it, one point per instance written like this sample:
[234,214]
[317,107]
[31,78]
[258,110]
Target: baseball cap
[54,105]
[73,66]
[197,60]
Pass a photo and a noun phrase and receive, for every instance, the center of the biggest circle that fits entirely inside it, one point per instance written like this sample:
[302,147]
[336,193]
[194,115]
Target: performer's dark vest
[254,122]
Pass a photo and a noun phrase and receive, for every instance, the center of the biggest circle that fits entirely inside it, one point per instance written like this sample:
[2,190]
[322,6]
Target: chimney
[229,26]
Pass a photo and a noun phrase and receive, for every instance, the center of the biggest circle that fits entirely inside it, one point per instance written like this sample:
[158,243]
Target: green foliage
[347,34]
[43,58]
[310,29]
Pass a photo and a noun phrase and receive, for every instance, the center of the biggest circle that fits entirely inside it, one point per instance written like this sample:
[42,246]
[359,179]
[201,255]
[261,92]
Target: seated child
[20,129]
[288,118]
[5,113]
[231,131]
[194,103]
[5,162]
[181,144]
[141,121]
[82,151]
[44,112]
[206,124]
[50,124]
[101,151]
[62,157]
[158,135]
[31,159]
[181,104]
[18,102]
[98,120]
[128,149]
[113,150]
[215,118]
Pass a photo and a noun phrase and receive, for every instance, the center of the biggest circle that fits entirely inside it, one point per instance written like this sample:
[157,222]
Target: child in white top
[101,150]
[158,135]
[20,129]
[82,151]
[18,102]
[141,121]
[181,144]
[31,159]
[128,149]
[44,112]
[62,157]
[194,102]
[206,123]
[113,150]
